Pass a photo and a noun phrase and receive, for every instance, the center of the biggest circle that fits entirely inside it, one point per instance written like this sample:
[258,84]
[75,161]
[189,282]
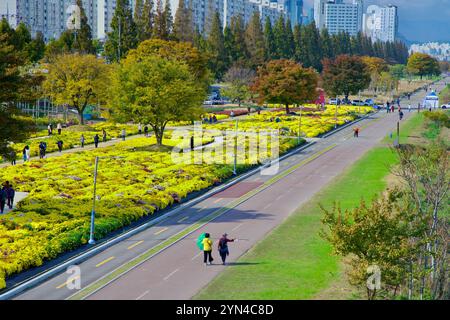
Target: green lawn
[293,261]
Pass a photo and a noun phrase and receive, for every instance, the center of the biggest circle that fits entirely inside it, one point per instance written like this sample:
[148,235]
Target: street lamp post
[300,124]
[335,114]
[235,148]
[92,228]
[91,238]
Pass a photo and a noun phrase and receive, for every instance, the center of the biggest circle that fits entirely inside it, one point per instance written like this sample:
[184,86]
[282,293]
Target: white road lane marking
[267,206]
[238,226]
[142,295]
[171,274]
[196,256]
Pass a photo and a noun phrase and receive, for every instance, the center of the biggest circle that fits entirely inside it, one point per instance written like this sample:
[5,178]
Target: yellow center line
[218,200]
[65,283]
[104,261]
[134,245]
[181,220]
[160,231]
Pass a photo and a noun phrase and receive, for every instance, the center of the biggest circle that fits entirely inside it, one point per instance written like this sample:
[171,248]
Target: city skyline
[419,21]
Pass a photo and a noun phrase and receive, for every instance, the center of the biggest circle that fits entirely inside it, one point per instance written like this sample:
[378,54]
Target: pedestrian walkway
[19,196]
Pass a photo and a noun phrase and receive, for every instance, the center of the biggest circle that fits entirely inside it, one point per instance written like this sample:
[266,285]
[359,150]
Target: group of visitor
[50,128]
[222,247]
[6,196]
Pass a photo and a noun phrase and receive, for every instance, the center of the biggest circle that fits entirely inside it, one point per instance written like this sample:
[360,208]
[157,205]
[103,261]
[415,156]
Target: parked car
[369,102]
[358,103]
[332,101]
[446,106]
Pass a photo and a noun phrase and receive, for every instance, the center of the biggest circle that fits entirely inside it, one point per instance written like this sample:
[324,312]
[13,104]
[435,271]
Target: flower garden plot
[55,217]
[71,137]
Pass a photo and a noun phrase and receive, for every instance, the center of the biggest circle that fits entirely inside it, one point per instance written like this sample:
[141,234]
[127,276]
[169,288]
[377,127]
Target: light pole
[235,148]
[335,114]
[91,238]
[92,228]
[300,124]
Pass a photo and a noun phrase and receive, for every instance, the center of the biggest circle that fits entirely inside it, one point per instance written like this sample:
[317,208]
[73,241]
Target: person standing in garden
[96,139]
[13,156]
[2,199]
[41,150]
[139,128]
[10,193]
[146,130]
[409,107]
[27,153]
[223,247]
[123,134]
[49,129]
[207,249]
[82,140]
[60,145]
[59,127]
[104,135]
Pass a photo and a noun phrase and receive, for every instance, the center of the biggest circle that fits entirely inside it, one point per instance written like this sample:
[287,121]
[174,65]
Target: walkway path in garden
[249,210]
[19,196]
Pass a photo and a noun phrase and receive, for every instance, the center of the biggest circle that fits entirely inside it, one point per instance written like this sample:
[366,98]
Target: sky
[419,20]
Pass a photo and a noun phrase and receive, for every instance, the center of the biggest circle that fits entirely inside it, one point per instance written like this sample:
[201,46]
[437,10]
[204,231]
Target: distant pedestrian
[146,130]
[41,150]
[27,154]
[192,142]
[409,107]
[60,145]
[82,139]
[10,193]
[356,132]
[3,197]
[207,249]
[123,134]
[104,135]
[96,140]
[392,108]
[223,247]
[401,115]
[59,127]
[49,129]
[139,129]
[13,157]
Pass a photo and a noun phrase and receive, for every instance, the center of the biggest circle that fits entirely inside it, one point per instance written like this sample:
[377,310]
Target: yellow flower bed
[55,216]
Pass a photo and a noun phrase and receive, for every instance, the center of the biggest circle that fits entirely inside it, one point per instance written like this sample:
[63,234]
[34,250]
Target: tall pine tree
[183,28]
[254,41]
[139,20]
[217,63]
[148,17]
[123,36]
[83,37]
[271,49]
[239,55]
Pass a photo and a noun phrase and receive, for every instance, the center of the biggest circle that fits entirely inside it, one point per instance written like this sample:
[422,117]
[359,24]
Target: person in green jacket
[207,249]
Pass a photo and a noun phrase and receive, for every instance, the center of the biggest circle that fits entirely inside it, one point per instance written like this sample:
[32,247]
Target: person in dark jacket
[104,135]
[2,199]
[96,139]
[223,247]
[10,193]
[146,130]
[13,156]
[60,145]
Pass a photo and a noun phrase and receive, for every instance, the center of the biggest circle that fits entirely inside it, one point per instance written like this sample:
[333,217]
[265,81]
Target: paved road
[253,208]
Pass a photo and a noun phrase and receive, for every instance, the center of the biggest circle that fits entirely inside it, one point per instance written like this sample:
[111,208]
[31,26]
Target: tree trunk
[287,108]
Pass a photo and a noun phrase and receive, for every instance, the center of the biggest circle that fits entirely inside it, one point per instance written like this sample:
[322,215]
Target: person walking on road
[207,249]
[104,135]
[10,193]
[356,132]
[96,140]
[41,150]
[409,107]
[123,134]
[139,129]
[401,115]
[59,127]
[223,247]
[146,130]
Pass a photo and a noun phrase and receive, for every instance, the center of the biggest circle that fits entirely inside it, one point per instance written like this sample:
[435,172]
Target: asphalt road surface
[248,211]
